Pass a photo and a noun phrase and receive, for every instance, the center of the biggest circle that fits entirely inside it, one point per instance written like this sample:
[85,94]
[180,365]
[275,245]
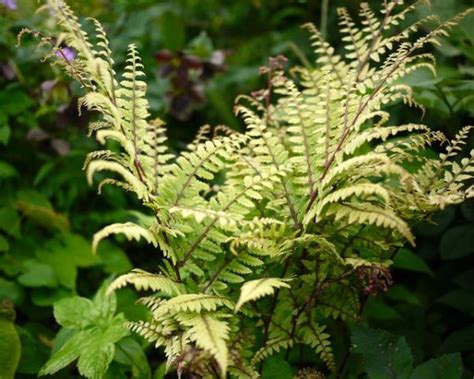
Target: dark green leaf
[10,221]
[385,355]
[10,348]
[457,242]
[408,260]
[444,367]
[114,259]
[459,299]
[460,340]
[130,352]
[4,245]
[7,170]
[4,134]
[37,274]
[276,367]
[11,291]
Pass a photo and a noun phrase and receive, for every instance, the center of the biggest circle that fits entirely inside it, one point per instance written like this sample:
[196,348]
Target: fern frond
[272,346]
[314,336]
[210,333]
[128,229]
[371,214]
[143,280]
[192,303]
[255,289]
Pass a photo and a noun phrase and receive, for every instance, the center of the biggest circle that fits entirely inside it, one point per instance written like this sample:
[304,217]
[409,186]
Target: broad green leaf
[93,345]
[95,360]
[276,367]
[459,299]
[7,170]
[12,291]
[46,297]
[113,259]
[375,309]
[400,293]
[457,242]
[105,304]
[75,312]
[10,349]
[407,260]
[385,355]
[37,274]
[43,216]
[5,133]
[64,254]
[466,279]
[160,372]
[70,351]
[129,352]
[10,221]
[444,367]
[14,101]
[460,340]
[34,353]
[438,222]
[4,245]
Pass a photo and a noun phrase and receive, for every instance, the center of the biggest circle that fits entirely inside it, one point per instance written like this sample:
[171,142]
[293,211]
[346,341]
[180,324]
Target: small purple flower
[66,53]
[9,4]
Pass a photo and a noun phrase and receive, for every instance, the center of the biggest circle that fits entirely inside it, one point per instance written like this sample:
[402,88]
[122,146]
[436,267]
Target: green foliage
[388,356]
[93,328]
[315,191]
[10,346]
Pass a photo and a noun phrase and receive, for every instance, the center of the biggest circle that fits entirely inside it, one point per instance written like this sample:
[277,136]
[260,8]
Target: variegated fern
[315,197]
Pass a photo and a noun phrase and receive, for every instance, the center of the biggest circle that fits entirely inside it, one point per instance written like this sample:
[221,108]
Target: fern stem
[217,273]
[375,39]
[268,321]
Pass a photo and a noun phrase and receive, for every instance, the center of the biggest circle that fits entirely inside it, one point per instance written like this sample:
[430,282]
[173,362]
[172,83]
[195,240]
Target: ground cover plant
[306,209]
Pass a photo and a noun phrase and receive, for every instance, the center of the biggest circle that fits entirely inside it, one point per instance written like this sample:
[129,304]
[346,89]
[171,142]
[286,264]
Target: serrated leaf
[69,352]
[75,312]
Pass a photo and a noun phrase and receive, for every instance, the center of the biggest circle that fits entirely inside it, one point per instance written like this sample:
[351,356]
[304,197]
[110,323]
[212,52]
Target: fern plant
[268,235]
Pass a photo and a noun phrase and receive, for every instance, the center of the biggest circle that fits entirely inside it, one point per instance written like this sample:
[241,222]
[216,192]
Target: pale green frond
[210,334]
[152,332]
[192,303]
[371,214]
[255,289]
[128,229]
[96,166]
[143,280]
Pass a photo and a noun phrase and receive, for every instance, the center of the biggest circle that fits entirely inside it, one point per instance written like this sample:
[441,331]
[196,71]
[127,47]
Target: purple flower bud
[66,53]
[9,4]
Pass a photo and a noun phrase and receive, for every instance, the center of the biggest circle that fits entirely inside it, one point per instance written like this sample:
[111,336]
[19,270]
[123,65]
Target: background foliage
[48,213]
